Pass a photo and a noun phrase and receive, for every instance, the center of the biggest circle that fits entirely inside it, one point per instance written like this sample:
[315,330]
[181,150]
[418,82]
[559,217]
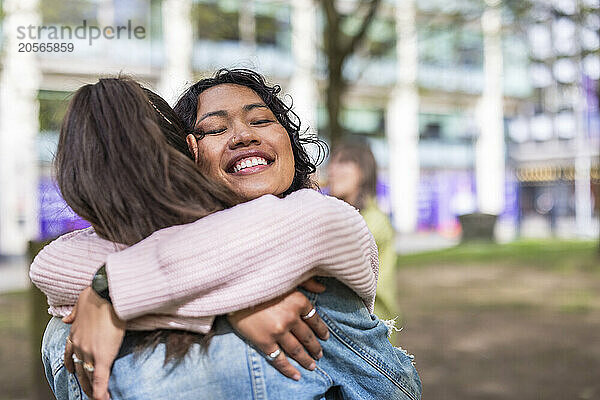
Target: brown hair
[359,153]
[122,164]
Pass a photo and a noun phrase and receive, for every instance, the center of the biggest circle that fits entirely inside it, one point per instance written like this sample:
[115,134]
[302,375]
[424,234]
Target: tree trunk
[335,91]
[337,50]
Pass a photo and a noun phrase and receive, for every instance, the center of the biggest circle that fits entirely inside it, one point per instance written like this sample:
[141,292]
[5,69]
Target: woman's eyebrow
[252,106]
[219,113]
[223,113]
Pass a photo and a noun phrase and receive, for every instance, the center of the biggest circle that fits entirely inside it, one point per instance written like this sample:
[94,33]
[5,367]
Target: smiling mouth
[250,165]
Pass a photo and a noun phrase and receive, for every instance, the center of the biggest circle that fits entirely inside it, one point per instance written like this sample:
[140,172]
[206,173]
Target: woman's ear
[192,145]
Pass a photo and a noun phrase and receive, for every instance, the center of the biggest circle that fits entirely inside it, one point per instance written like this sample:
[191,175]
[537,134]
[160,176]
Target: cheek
[288,164]
[208,161]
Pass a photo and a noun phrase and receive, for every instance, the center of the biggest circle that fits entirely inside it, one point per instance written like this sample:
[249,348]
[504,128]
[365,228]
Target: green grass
[560,255]
[11,310]
[579,301]
[14,347]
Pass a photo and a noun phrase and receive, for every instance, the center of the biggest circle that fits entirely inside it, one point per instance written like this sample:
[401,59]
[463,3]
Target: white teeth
[249,162]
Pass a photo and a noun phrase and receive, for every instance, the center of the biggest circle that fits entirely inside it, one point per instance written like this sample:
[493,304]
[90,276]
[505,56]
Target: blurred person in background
[64,268]
[352,177]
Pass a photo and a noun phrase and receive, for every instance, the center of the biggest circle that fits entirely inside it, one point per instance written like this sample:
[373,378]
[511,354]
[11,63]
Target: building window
[216,20]
[447,48]
[273,24]
[69,12]
[454,127]
[219,20]
[431,131]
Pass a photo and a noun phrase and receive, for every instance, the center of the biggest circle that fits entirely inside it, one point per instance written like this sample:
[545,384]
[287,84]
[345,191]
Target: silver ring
[310,314]
[88,367]
[273,356]
[76,359]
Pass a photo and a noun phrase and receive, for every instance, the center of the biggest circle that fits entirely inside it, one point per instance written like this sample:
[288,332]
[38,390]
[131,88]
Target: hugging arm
[244,256]
[224,262]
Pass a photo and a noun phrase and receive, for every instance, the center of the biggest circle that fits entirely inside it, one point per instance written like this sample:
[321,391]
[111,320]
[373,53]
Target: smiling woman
[194,107]
[242,144]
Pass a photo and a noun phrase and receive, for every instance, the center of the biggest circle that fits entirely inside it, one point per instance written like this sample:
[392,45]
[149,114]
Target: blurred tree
[340,42]
[53,106]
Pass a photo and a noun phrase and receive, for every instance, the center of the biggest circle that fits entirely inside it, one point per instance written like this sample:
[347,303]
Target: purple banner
[56,217]
[444,195]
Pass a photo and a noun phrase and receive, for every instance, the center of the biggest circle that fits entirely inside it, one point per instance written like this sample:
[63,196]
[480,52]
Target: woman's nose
[243,136]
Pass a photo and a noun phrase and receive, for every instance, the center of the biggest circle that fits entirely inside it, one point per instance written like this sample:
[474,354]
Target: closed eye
[200,133]
[262,122]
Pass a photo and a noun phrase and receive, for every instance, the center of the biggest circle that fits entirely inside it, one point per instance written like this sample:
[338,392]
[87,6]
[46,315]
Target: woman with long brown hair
[179,284]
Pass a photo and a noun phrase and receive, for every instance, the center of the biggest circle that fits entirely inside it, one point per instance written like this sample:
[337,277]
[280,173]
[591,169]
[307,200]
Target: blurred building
[424,96]
[554,140]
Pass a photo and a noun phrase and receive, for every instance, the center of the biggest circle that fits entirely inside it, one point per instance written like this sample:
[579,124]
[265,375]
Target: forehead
[226,97]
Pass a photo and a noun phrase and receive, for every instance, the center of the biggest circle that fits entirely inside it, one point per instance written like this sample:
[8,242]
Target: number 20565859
[46,47]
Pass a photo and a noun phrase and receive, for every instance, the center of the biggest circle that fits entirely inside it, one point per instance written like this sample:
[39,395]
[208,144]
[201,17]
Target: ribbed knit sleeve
[244,256]
[226,261]
[62,269]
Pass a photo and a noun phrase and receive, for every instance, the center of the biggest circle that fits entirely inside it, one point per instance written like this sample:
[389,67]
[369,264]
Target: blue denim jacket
[358,362]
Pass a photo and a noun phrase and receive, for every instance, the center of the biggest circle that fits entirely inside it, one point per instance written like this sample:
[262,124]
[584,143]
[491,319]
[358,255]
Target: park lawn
[555,255]
[508,321]
[14,346]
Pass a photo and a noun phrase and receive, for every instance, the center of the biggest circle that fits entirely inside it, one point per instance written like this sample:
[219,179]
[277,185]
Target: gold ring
[88,367]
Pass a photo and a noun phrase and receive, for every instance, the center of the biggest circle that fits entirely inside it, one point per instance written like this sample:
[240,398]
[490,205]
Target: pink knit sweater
[181,277]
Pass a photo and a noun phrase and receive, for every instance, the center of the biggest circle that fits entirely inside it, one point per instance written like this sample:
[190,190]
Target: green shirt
[380,226]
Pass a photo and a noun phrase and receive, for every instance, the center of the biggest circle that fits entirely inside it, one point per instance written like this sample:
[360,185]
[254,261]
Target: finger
[316,324]
[307,338]
[71,317]
[313,286]
[295,350]
[281,363]
[90,374]
[88,359]
[83,380]
[68,357]
[100,381]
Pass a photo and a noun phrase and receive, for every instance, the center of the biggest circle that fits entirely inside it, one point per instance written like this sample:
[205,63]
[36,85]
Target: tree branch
[359,36]
[333,22]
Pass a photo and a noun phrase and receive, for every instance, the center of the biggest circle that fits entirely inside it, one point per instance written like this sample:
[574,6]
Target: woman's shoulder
[302,201]
[317,200]
[85,238]
[316,196]
[379,222]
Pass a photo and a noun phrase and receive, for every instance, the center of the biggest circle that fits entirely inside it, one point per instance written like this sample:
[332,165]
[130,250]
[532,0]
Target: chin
[254,193]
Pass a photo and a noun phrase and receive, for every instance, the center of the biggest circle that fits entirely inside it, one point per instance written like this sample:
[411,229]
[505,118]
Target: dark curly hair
[187,107]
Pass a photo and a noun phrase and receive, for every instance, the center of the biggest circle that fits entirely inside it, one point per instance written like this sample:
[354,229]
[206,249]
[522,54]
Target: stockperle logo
[83,31]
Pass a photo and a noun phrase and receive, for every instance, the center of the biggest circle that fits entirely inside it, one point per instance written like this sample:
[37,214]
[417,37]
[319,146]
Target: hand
[95,338]
[278,324]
